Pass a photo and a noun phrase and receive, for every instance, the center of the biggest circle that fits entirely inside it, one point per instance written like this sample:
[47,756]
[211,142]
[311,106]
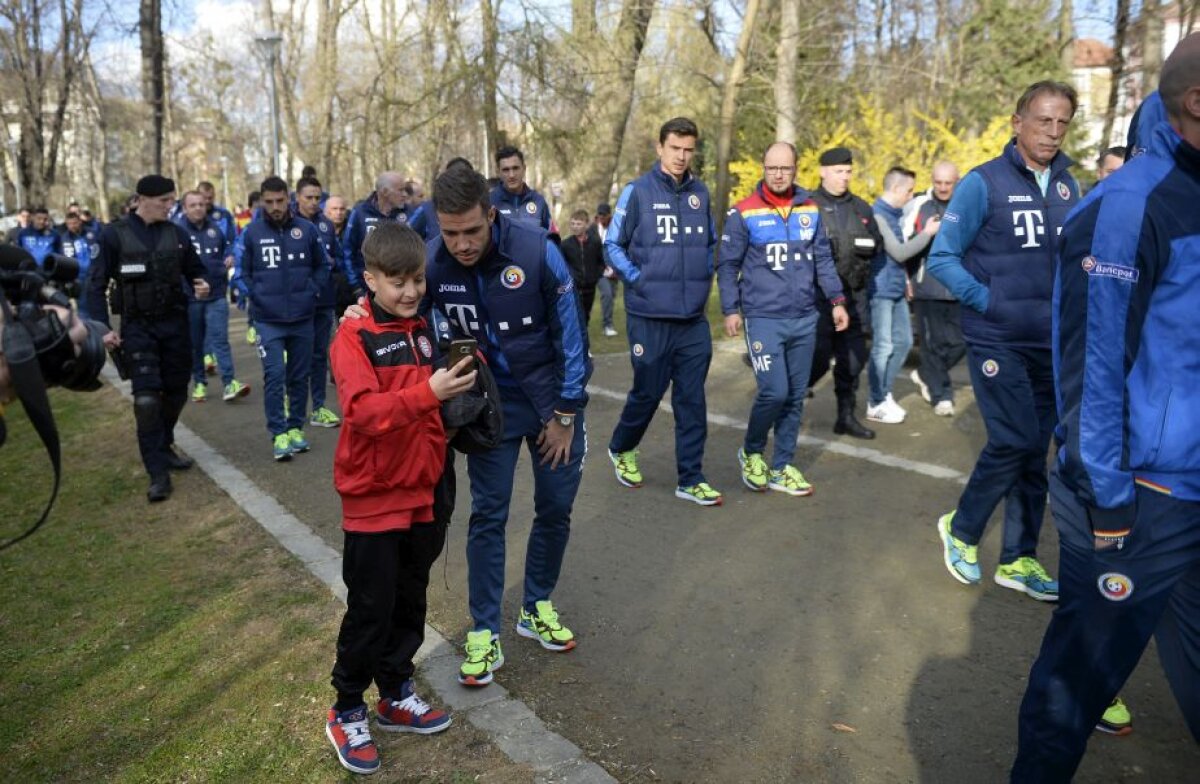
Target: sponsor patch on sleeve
[1097,268]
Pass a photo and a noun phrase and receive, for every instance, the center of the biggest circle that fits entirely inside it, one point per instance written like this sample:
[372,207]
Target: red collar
[778,201]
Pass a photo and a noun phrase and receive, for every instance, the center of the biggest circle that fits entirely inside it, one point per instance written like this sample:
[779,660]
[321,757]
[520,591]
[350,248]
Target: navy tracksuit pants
[296,340]
[1014,390]
[677,353]
[491,474]
[781,352]
[1110,603]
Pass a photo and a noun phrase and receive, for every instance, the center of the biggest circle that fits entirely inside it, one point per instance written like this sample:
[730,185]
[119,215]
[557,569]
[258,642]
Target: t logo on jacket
[270,255]
[1030,225]
[668,227]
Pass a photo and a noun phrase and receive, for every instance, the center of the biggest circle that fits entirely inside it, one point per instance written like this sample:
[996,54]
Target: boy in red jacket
[390,456]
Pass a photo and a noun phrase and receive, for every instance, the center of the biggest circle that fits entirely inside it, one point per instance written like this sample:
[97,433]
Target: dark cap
[155,185]
[603,209]
[838,156]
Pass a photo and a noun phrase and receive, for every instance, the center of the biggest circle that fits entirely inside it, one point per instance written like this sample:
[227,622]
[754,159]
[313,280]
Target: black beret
[155,185]
[838,156]
[603,209]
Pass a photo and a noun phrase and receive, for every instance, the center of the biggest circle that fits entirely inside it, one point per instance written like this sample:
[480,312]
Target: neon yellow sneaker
[1025,575]
[252,335]
[484,657]
[542,625]
[961,559]
[210,364]
[200,393]
[297,440]
[323,417]
[235,389]
[1117,720]
[789,480]
[282,447]
[626,465]
[754,470]
[702,494]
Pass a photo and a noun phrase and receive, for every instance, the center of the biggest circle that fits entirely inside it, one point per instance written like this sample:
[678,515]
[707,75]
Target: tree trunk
[99,146]
[608,108]
[1152,44]
[1066,36]
[490,79]
[729,93]
[785,71]
[1118,71]
[150,30]
[583,20]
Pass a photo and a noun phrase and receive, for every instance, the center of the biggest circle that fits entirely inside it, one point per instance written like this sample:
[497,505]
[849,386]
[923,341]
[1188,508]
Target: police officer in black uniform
[150,259]
[855,240]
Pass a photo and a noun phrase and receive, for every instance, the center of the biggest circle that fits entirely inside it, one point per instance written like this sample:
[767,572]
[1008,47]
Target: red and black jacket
[392,446]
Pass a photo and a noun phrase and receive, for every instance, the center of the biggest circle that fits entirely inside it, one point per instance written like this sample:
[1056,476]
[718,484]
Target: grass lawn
[173,642]
[620,344]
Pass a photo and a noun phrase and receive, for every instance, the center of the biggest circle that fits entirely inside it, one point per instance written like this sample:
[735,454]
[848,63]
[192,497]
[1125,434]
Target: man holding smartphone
[506,286]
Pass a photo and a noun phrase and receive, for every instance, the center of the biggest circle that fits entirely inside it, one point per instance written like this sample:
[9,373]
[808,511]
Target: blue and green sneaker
[542,625]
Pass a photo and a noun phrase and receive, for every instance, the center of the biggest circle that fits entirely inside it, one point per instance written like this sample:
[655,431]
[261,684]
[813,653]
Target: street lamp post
[268,45]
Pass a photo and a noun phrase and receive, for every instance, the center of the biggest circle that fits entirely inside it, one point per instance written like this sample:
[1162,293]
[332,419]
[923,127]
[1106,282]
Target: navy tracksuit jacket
[1127,372]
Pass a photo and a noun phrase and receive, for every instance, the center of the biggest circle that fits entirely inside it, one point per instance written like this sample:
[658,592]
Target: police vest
[1014,251]
[149,282]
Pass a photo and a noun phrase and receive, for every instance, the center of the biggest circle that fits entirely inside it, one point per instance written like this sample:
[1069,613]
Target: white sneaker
[944,408]
[891,402]
[922,387]
[886,414]
[609,332]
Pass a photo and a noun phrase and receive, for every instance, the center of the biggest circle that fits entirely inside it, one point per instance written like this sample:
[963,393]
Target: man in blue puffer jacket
[388,202]
[1126,489]
[995,252]
[506,285]
[208,318]
[773,251]
[661,243]
[308,206]
[280,269]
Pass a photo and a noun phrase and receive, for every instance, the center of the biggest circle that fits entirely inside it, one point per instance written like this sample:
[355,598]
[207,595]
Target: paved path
[726,643]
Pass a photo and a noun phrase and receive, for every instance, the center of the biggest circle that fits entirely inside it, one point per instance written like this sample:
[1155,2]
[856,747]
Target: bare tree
[1152,44]
[153,79]
[785,71]
[729,93]
[46,70]
[490,74]
[608,108]
[1121,25]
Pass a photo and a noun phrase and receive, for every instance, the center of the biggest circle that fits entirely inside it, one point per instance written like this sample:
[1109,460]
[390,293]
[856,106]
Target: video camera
[38,347]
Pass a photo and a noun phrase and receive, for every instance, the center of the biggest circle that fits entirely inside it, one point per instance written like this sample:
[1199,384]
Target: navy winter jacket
[212,247]
[520,304]
[770,258]
[661,242]
[995,249]
[280,269]
[39,244]
[527,207]
[424,221]
[326,298]
[362,220]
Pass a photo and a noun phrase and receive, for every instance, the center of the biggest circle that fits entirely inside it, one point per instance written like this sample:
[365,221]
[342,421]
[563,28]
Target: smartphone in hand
[462,350]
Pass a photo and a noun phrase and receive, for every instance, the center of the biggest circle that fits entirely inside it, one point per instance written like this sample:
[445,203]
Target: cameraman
[850,224]
[148,256]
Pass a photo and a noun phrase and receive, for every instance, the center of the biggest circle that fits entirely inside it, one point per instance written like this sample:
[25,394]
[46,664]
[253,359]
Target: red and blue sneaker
[350,735]
[410,713]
